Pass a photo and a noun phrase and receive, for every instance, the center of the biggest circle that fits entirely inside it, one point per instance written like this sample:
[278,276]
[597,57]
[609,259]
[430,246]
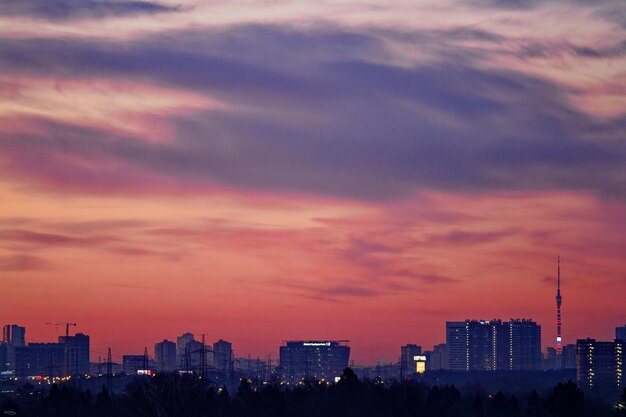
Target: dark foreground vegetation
[184,396]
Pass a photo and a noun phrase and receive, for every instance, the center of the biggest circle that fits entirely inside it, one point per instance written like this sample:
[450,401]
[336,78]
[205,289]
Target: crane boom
[67,327]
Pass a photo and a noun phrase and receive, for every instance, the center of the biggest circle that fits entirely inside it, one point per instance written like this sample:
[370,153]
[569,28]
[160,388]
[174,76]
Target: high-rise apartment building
[14,335]
[165,356]
[482,344]
[457,344]
[490,345]
[522,340]
[569,356]
[223,356]
[472,345]
[408,362]
[5,364]
[76,353]
[620,333]
[183,361]
[40,359]
[600,365]
[437,359]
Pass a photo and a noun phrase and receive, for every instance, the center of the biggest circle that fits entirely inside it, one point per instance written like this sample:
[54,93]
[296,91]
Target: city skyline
[339,170]
[541,359]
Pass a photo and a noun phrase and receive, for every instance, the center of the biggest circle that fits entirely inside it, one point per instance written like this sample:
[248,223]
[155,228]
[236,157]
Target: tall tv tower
[559,341]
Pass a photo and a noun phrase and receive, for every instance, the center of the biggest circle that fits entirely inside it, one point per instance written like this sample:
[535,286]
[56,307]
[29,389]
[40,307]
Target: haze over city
[283,170]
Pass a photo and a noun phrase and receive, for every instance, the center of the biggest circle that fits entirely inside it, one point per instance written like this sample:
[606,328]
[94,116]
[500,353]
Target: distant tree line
[171,395]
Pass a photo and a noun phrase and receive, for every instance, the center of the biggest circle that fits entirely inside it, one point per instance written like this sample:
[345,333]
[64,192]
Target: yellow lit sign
[420,367]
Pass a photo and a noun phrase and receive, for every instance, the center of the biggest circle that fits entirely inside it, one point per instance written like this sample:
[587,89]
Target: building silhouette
[568,356]
[457,345]
[134,364]
[313,359]
[600,365]
[522,340]
[14,335]
[76,354]
[437,359]
[165,356]
[40,359]
[195,351]
[620,333]
[223,356]
[408,361]
[183,351]
[491,345]
[5,363]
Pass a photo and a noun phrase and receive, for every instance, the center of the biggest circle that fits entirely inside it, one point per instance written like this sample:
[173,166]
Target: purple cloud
[52,239]
[462,237]
[334,121]
[63,10]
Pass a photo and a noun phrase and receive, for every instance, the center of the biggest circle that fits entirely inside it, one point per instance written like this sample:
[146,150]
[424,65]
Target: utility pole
[232,368]
[109,373]
[145,358]
[203,364]
[187,358]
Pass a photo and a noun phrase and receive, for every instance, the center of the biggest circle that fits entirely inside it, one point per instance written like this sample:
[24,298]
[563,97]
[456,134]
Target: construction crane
[67,328]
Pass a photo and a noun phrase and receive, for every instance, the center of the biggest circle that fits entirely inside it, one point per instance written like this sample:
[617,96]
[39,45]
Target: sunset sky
[333,169]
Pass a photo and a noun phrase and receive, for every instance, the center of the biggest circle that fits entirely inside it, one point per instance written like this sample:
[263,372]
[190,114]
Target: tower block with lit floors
[559,300]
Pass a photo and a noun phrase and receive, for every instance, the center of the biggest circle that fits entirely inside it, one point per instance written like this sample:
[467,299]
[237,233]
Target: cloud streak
[22,262]
[66,10]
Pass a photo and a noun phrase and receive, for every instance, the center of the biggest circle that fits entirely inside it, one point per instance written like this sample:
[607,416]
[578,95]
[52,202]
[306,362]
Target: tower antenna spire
[559,273]
[559,301]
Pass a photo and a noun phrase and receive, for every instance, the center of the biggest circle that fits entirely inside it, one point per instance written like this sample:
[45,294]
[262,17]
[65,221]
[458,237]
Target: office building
[76,354]
[313,359]
[620,333]
[411,360]
[165,356]
[223,355]
[600,365]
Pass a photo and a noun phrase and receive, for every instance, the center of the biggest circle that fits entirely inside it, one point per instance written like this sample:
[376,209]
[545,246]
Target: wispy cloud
[64,10]
[463,237]
[22,262]
[349,126]
[51,239]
